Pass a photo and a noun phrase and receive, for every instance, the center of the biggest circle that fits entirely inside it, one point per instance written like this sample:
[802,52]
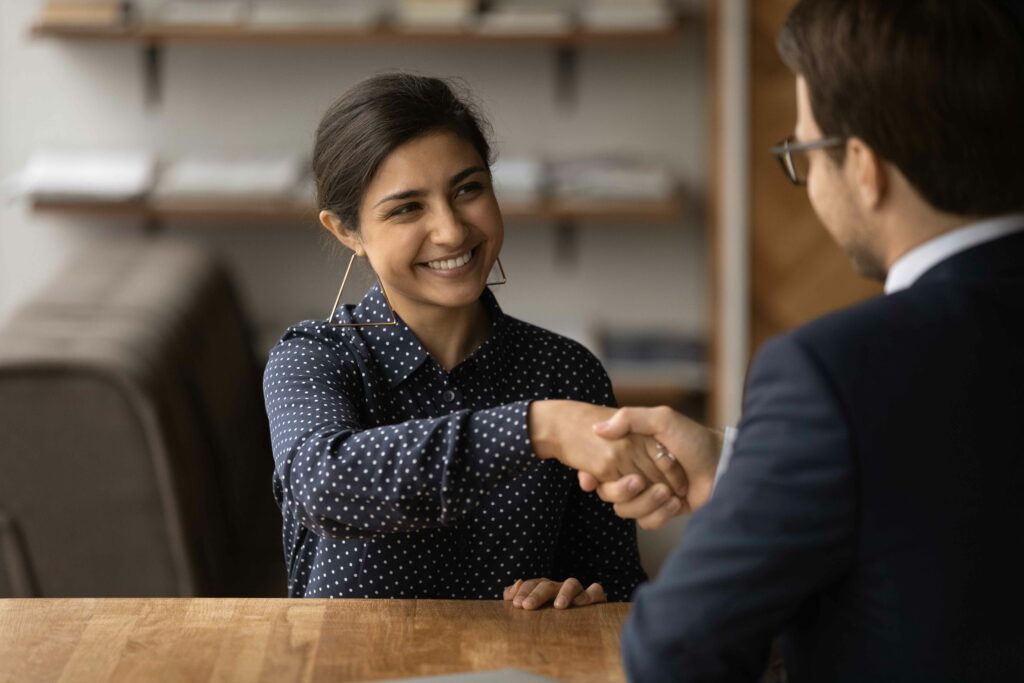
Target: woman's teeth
[452,263]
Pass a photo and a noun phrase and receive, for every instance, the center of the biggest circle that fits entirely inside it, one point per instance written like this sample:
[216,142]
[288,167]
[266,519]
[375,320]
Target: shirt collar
[396,348]
[912,265]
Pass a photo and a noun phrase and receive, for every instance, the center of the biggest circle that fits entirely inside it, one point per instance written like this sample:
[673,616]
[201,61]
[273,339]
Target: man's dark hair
[935,87]
[363,127]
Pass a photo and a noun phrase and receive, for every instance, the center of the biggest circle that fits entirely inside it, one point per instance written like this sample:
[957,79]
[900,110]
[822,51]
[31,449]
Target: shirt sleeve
[342,480]
[728,445]
[595,545]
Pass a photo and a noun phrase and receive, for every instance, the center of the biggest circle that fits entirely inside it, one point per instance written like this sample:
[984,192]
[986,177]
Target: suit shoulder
[911,312]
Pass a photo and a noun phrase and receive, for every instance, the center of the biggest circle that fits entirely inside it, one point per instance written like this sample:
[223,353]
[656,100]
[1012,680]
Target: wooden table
[158,639]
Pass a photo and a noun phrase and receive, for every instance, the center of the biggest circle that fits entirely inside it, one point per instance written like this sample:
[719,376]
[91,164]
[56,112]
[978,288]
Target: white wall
[262,100]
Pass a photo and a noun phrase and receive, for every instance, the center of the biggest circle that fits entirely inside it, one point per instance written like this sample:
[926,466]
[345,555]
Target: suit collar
[923,258]
[993,260]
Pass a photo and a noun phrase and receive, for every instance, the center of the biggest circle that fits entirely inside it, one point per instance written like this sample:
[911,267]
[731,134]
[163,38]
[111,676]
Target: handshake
[650,463]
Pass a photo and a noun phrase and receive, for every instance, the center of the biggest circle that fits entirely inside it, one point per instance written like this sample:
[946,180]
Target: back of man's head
[935,87]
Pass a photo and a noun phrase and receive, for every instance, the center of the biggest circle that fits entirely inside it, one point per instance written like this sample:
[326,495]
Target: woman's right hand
[563,430]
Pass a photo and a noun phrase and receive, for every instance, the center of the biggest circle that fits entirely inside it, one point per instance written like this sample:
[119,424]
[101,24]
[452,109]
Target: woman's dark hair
[935,87]
[375,116]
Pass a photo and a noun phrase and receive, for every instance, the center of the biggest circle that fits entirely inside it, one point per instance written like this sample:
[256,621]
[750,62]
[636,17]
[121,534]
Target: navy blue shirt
[397,478]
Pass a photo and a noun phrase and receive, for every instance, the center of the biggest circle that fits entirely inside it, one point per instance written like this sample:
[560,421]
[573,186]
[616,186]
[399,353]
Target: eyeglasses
[790,154]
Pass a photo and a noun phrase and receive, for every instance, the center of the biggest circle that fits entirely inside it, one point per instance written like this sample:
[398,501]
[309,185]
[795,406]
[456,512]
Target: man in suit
[869,506]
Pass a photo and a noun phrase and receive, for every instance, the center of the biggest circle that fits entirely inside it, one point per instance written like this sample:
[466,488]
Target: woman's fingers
[524,591]
[536,593]
[541,595]
[510,591]
[567,593]
[593,595]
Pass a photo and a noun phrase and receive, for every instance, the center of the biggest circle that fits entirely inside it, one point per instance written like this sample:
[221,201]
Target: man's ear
[350,238]
[867,172]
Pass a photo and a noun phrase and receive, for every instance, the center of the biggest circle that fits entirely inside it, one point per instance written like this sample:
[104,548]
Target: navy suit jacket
[873,511]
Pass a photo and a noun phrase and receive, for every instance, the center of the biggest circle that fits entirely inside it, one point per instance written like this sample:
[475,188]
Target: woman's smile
[452,266]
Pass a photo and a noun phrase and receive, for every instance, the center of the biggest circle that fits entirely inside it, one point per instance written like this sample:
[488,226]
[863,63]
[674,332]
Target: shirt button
[448,396]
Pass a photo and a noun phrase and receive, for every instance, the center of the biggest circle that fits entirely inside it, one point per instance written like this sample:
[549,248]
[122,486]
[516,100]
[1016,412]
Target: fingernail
[673,505]
[600,425]
[661,495]
[560,602]
[633,485]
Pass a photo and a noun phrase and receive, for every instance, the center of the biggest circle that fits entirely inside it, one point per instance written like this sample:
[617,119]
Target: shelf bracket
[566,242]
[152,225]
[567,75]
[152,72]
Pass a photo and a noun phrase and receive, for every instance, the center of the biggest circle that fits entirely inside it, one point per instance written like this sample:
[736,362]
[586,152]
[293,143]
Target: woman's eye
[468,188]
[403,210]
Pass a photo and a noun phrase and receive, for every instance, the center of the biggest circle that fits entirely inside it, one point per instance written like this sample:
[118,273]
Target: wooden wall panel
[797,271]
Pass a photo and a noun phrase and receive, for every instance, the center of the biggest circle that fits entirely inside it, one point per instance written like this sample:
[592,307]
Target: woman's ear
[350,238]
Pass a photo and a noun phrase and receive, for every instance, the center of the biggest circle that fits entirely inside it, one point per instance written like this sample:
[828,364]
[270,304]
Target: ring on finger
[662,452]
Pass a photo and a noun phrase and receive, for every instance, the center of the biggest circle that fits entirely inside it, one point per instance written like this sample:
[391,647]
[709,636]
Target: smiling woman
[428,459]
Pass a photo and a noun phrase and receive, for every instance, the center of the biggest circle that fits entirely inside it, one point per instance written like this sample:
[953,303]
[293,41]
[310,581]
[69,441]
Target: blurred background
[158,234]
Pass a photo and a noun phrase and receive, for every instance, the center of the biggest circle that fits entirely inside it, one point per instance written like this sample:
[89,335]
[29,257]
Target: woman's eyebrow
[405,194]
[465,173]
[409,194]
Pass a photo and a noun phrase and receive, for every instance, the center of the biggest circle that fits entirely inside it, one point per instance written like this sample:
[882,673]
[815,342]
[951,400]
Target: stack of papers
[218,179]
[318,13]
[198,13]
[436,15]
[522,16]
[519,180]
[613,178]
[626,15]
[86,176]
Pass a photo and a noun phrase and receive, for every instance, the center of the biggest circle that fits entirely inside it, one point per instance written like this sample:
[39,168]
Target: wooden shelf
[294,211]
[384,35]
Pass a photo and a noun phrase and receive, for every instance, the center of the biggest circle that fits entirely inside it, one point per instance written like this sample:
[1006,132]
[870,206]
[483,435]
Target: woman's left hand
[535,593]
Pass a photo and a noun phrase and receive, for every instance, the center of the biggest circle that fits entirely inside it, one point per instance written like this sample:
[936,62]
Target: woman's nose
[448,228]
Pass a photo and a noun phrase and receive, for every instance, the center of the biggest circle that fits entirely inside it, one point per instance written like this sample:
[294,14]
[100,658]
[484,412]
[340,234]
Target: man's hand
[563,430]
[693,446]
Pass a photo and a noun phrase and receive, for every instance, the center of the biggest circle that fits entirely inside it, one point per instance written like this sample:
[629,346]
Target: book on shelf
[613,178]
[436,15]
[264,180]
[626,15]
[526,17]
[86,13]
[519,180]
[86,176]
[200,13]
[326,14]
[655,358]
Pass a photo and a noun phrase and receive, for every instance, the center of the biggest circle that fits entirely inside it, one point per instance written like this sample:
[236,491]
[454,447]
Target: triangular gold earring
[337,301]
[504,278]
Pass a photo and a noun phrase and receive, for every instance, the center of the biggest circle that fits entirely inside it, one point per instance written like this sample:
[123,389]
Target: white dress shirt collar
[916,262]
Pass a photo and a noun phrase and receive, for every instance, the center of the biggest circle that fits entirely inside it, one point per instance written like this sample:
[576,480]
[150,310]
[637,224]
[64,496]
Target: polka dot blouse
[397,478]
